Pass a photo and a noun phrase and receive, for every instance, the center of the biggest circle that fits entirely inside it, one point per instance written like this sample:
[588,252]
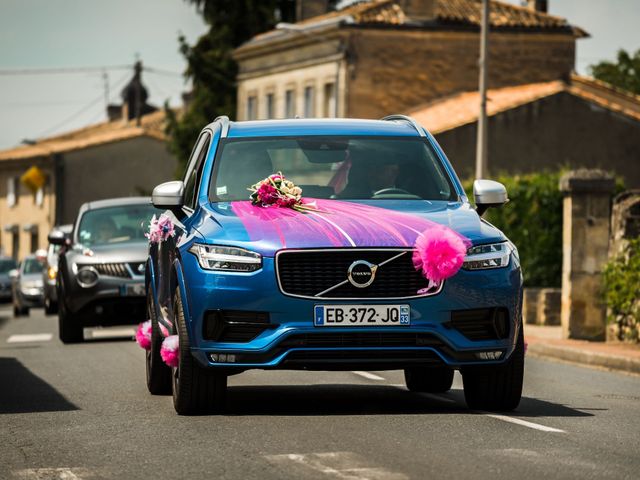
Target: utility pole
[482,146]
[105,83]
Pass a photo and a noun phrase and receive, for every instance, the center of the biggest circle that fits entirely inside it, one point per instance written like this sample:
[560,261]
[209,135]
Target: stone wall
[393,71]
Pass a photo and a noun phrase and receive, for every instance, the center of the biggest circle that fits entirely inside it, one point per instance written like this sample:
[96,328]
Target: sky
[38,34]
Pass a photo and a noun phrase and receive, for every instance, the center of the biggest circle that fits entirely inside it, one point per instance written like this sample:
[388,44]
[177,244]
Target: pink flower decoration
[170,350]
[439,253]
[143,335]
[160,229]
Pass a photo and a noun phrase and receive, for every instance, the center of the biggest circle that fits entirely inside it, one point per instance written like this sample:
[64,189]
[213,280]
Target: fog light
[87,277]
[489,355]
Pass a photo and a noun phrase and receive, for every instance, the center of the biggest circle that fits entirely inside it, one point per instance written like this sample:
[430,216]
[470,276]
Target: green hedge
[621,281]
[533,222]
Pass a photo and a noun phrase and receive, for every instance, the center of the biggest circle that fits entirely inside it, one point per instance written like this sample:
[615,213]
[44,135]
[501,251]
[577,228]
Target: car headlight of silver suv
[227,259]
[491,255]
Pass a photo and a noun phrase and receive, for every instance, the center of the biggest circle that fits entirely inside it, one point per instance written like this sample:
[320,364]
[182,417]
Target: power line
[62,70]
[161,71]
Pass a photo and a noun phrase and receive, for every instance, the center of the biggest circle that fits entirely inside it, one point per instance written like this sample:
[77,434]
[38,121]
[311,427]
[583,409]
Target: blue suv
[333,287]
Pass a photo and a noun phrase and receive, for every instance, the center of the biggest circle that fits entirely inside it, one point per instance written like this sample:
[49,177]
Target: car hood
[31,278]
[117,253]
[334,224]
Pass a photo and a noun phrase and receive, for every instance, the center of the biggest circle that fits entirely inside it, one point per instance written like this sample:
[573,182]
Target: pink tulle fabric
[439,253]
[143,335]
[160,229]
[170,350]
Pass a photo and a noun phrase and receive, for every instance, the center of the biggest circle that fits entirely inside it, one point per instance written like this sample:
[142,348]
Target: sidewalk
[548,342]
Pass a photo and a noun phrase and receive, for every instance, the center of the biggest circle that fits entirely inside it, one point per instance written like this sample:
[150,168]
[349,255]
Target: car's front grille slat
[307,273]
[118,270]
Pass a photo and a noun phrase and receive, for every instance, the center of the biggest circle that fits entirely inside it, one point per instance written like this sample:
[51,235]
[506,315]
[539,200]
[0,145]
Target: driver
[104,230]
[383,176]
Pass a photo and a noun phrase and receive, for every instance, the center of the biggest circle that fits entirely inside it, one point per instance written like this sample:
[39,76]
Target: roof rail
[224,120]
[409,120]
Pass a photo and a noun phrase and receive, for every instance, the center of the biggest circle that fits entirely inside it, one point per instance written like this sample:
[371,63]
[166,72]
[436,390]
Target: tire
[50,308]
[496,388]
[69,326]
[158,373]
[25,311]
[195,389]
[428,379]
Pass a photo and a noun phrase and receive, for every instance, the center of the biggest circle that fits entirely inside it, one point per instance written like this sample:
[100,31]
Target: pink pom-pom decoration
[170,350]
[143,335]
[439,253]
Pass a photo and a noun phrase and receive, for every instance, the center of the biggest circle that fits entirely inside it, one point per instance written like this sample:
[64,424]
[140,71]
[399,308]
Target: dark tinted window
[6,265]
[195,168]
[334,167]
[32,265]
[120,224]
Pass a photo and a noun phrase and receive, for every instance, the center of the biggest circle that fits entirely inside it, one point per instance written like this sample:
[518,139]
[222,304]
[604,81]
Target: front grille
[112,270]
[482,323]
[308,273]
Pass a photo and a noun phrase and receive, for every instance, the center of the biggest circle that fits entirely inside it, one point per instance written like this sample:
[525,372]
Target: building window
[252,111]
[12,191]
[308,102]
[35,239]
[329,106]
[289,104]
[270,103]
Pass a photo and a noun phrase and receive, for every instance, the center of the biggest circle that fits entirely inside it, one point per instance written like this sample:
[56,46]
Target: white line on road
[342,465]
[109,332]
[369,376]
[32,337]
[524,423]
[52,473]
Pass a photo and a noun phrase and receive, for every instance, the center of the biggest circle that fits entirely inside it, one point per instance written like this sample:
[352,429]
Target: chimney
[310,8]
[419,10]
[541,6]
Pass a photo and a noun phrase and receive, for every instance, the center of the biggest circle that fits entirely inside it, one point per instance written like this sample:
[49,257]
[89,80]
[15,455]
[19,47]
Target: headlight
[87,277]
[230,259]
[493,255]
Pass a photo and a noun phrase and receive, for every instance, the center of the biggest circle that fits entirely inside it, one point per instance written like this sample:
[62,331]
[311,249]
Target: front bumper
[293,342]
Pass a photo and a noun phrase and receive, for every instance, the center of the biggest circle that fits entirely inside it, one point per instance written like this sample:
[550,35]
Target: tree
[210,66]
[625,73]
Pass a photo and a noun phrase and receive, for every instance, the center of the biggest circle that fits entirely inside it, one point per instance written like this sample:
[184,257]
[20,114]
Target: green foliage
[625,73]
[533,222]
[210,66]
[621,278]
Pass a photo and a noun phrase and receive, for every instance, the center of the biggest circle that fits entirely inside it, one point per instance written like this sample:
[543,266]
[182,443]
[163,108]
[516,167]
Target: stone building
[120,157]
[578,123]
[389,56]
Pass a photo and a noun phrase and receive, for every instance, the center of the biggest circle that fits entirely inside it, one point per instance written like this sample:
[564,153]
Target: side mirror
[169,196]
[57,237]
[14,274]
[488,193]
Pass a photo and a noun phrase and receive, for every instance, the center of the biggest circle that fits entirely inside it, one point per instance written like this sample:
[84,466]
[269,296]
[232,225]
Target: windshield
[6,265]
[111,225]
[32,265]
[333,167]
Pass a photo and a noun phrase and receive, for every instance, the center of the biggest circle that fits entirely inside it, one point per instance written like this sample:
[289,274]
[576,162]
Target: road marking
[369,376]
[524,423]
[52,473]
[109,332]
[342,465]
[31,337]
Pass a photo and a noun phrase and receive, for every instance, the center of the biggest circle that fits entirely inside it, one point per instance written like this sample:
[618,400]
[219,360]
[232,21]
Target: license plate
[361,315]
[132,290]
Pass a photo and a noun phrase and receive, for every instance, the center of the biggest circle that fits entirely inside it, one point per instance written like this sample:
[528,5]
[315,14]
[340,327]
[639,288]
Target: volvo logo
[361,273]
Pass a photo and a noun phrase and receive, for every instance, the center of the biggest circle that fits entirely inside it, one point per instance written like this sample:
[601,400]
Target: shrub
[533,222]
[621,288]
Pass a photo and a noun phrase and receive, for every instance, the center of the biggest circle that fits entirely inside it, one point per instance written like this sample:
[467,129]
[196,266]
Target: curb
[576,355]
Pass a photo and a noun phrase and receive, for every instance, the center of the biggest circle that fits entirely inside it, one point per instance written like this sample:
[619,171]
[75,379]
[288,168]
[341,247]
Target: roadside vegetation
[622,291]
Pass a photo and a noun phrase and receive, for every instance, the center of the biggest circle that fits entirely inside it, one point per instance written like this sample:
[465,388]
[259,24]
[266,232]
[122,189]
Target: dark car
[50,273]
[102,266]
[6,265]
[27,285]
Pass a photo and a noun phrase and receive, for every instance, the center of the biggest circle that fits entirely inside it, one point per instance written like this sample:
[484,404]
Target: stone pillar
[585,245]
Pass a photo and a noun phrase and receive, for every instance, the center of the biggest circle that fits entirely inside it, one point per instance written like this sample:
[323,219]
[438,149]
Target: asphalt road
[83,411]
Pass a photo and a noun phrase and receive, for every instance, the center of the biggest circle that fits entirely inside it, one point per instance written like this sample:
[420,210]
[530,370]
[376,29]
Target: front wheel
[497,388]
[428,379]
[195,389]
[50,307]
[69,327]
